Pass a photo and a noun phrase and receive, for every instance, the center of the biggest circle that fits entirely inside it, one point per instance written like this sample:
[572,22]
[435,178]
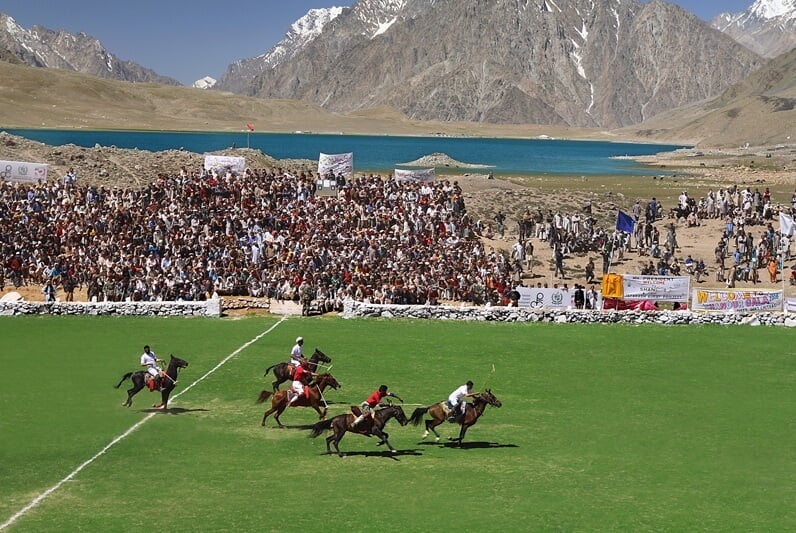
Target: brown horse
[314,398]
[471,415]
[168,383]
[284,371]
[341,424]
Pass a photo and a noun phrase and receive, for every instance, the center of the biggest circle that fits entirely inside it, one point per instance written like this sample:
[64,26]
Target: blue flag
[625,222]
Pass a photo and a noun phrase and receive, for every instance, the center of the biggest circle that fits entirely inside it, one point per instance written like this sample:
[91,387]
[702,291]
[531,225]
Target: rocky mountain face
[758,110]
[572,62]
[768,27]
[240,74]
[42,47]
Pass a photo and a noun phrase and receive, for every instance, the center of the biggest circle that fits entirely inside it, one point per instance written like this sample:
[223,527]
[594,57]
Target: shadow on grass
[468,444]
[172,410]
[385,454]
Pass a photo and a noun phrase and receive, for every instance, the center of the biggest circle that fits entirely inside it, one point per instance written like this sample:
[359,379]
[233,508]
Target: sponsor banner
[336,164]
[533,298]
[23,171]
[736,300]
[220,164]
[790,305]
[656,288]
[425,175]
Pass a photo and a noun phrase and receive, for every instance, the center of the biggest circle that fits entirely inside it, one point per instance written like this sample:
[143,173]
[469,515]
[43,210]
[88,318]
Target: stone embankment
[355,309]
[209,308]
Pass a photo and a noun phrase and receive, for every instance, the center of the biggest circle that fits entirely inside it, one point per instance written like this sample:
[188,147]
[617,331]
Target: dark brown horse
[284,371]
[314,398]
[341,424]
[167,383]
[438,414]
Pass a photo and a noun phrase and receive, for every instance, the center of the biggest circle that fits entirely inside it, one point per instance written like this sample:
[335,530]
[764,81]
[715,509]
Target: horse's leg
[338,436]
[137,386]
[383,436]
[462,432]
[317,406]
[268,412]
[279,410]
[164,399]
[431,426]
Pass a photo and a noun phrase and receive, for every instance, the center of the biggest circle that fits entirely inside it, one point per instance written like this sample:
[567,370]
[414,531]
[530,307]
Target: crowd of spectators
[261,233]
[266,233]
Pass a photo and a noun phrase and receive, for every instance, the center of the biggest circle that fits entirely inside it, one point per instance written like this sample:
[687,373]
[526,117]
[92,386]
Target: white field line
[41,497]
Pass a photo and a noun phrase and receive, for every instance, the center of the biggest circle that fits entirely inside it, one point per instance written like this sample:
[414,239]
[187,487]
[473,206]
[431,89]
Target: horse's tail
[320,427]
[124,378]
[268,369]
[417,416]
[264,395]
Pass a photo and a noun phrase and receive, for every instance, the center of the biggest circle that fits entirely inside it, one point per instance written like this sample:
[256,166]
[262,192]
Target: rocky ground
[694,170]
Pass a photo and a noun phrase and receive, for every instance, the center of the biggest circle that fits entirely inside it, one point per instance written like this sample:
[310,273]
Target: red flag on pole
[250,126]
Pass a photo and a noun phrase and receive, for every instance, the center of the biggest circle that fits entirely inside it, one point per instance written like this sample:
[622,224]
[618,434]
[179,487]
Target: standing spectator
[48,291]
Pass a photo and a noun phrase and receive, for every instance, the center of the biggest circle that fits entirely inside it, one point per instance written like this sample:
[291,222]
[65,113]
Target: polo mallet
[491,373]
[326,405]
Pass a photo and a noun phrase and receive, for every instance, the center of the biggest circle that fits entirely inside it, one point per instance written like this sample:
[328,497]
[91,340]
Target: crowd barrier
[354,309]
[208,308]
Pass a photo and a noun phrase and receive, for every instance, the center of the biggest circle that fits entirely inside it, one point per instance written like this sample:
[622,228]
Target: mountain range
[619,64]
[42,47]
[768,27]
[573,62]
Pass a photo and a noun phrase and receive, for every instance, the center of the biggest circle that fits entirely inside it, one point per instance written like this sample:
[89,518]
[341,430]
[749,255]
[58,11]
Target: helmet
[299,339]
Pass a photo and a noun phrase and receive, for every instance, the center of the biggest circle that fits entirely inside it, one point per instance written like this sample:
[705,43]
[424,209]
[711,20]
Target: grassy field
[602,428]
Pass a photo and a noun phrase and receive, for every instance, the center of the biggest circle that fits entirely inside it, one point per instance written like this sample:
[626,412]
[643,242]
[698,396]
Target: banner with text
[22,171]
[424,175]
[336,164]
[220,164]
[736,300]
[656,288]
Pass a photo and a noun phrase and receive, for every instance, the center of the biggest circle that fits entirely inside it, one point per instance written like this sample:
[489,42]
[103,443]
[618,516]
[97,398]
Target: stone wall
[355,309]
[209,308]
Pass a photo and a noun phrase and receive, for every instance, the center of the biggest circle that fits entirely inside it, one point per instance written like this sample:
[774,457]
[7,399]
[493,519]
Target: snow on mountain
[205,83]
[768,27]
[302,32]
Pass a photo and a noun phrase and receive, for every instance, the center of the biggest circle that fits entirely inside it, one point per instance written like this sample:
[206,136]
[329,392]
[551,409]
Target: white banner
[736,300]
[220,164]
[23,171]
[425,175]
[336,164]
[657,288]
[534,298]
[790,305]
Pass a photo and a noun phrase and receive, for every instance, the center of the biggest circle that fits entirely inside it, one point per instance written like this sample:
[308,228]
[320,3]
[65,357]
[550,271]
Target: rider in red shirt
[373,401]
[300,376]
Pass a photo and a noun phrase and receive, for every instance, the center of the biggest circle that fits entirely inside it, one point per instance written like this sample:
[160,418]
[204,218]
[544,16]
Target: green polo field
[645,428]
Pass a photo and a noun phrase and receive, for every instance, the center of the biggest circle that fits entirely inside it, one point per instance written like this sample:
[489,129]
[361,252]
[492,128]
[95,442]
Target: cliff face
[574,62]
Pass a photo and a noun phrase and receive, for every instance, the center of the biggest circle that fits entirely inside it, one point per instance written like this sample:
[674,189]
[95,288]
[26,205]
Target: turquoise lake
[384,153]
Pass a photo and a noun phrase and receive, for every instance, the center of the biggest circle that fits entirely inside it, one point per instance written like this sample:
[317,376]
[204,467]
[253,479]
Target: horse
[167,383]
[341,424]
[471,414]
[312,397]
[284,371]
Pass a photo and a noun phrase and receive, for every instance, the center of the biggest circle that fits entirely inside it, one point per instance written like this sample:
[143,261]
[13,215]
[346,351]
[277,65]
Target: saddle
[445,408]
